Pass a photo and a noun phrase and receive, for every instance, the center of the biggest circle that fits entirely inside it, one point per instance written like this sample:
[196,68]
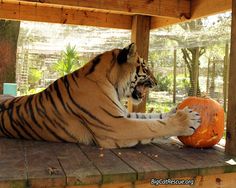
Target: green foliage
[159,107]
[216,51]
[34,76]
[161,58]
[23,89]
[68,62]
[183,85]
[164,83]
[35,90]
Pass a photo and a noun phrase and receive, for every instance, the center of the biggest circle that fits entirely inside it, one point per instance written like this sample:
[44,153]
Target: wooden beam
[164,12]
[158,22]
[202,8]
[199,9]
[173,8]
[140,35]
[230,147]
[63,15]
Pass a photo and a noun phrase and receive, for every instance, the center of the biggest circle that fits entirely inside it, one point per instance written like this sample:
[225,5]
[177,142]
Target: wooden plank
[140,35]
[145,167]
[112,168]
[12,164]
[230,146]
[43,168]
[177,166]
[220,180]
[109,185]
[199,9]
[158,22]
[203,8]
[208,161]
[76,166]
[166,8]
[149,185]
[65,15]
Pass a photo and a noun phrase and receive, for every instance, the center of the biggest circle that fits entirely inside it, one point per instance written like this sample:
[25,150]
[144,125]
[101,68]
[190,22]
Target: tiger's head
[124,70]
[137,77]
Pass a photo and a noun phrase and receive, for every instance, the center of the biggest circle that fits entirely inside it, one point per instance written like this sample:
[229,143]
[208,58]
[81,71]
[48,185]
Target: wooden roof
[110,13]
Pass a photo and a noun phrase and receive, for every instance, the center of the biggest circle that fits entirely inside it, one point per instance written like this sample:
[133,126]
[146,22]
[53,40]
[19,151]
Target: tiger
[86,106]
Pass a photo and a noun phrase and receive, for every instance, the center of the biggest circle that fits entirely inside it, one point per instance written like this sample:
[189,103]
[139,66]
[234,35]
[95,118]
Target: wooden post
[140,35]
[230,147]
[226,75]
[174,78]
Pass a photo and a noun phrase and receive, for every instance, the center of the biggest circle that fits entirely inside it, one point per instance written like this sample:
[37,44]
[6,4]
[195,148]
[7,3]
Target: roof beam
[166,8]
[203,8]
[199,9]
[162,22]
[110,13]
[63,15]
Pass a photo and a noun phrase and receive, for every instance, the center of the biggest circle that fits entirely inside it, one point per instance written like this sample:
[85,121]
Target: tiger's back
[49,115]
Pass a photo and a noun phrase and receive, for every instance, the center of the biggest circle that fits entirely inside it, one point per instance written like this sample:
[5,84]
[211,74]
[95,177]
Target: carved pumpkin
[211,129]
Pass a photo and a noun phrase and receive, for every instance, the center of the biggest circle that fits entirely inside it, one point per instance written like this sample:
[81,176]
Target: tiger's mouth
[141,90]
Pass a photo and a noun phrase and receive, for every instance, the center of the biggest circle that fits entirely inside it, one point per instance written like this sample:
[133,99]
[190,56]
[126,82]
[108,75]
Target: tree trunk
[192,63]
[213,75]
[208,76]
[196,88]
[9,31]
[174,78]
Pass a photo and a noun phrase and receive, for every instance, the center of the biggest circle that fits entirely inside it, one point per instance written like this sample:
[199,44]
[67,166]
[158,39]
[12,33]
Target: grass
[159,102]
[155,106]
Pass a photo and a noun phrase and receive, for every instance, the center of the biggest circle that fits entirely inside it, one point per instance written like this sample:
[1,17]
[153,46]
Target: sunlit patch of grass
[155,106]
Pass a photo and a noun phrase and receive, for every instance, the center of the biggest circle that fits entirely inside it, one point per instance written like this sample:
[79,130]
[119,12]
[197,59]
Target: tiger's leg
[159,116]
[151,115]
[126,132]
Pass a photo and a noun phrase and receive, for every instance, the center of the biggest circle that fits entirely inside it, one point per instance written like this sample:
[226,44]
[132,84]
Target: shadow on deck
[40,164]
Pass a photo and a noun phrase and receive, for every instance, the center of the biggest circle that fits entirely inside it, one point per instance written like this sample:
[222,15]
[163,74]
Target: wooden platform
[41,164]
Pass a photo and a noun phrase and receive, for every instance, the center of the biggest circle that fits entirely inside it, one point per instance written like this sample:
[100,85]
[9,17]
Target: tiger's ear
[126,53]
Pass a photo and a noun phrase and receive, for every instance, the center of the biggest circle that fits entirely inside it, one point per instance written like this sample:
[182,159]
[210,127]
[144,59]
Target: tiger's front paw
[185,122]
